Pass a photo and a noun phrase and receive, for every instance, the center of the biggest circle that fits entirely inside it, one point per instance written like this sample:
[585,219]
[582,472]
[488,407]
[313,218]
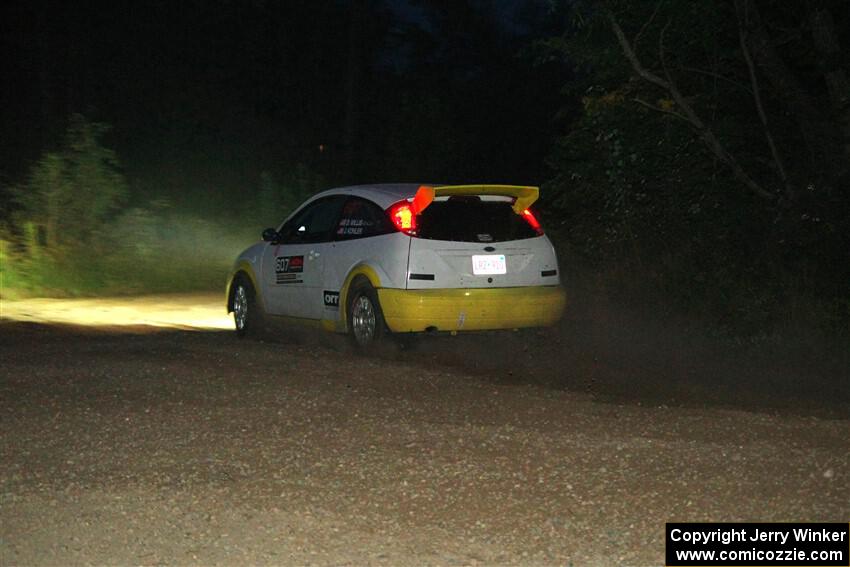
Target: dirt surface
[128,446]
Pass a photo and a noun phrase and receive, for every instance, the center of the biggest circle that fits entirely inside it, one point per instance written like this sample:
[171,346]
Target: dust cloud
[607,352]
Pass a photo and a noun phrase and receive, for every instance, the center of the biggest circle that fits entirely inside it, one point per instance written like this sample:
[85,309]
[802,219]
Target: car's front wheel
[247,315]
[365,319]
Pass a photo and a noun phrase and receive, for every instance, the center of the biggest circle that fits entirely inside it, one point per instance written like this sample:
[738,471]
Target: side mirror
[270,235]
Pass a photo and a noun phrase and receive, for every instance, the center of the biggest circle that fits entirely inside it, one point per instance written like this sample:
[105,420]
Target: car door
[358,238]
[293,264]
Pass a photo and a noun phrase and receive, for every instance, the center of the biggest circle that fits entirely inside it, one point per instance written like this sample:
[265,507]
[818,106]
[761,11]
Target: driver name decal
[287,269]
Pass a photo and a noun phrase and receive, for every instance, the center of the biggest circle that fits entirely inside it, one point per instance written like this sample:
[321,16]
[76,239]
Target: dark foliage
[698,173]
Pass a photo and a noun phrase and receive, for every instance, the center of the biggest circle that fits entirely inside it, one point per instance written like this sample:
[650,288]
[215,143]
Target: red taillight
[532,221]
[403,217]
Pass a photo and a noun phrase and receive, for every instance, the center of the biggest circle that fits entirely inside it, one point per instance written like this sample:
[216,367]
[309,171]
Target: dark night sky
[204,95]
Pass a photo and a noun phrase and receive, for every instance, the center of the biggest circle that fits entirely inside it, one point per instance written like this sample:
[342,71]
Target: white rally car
[402,258]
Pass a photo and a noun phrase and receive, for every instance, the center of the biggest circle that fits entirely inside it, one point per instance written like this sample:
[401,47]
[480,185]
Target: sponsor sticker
[288,268]
[288,264]
[331,299]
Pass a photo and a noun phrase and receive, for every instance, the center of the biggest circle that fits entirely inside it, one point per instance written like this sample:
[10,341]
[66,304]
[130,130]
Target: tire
[364,317]
[247,315]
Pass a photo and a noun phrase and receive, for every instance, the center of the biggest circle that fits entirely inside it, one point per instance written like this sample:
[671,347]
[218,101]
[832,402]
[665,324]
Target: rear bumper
[408,311]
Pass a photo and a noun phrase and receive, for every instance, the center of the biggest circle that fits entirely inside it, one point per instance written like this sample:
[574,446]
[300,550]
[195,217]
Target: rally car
[403,258]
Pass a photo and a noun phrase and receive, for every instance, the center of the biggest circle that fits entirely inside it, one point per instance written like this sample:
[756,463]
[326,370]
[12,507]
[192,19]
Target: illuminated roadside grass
[183,311]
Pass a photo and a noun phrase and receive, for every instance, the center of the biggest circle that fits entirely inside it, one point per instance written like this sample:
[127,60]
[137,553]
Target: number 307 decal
[287,268]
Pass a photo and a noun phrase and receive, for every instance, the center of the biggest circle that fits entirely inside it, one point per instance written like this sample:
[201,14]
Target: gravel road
[177,447]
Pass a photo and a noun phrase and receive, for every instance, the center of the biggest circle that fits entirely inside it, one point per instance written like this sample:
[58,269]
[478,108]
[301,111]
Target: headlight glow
[179,311]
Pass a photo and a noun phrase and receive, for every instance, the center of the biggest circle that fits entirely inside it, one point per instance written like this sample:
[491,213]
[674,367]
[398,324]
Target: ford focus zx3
[376,259]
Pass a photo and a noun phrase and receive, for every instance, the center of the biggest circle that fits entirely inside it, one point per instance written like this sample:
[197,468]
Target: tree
[71,192]
[820,114]
[712,145]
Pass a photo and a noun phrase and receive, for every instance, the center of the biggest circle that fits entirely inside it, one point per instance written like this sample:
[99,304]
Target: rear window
[470,219]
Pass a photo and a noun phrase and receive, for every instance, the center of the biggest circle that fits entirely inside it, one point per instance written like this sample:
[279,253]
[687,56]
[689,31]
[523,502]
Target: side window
[361,218]
[314,223]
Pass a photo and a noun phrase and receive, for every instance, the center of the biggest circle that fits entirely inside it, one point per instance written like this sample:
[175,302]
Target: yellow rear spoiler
[525,196]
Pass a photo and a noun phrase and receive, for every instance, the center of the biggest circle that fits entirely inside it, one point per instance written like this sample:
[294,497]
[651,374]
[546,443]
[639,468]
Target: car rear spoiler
[525,196]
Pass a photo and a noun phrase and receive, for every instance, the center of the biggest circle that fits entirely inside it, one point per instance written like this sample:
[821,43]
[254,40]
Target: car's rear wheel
[365,320]
[247,315]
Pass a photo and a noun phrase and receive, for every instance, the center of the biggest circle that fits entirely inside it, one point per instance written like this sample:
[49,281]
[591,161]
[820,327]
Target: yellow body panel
[408,311]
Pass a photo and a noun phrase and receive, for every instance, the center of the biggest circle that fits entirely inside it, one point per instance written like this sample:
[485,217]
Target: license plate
[489,264]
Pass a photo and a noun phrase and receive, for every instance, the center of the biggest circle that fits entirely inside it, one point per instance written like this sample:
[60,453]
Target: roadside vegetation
[74,230]
[706,171]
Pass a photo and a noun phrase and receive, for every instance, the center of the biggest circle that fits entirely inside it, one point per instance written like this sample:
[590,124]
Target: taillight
[532,221]
[403,217]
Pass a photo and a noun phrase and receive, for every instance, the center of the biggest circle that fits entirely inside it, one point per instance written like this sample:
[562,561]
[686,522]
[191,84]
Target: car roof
[383,194]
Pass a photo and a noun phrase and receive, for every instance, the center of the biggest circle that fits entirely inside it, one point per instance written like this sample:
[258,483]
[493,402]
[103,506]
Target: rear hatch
[480,237]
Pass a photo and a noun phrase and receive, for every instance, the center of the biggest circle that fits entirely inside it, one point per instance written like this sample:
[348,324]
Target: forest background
[694,157]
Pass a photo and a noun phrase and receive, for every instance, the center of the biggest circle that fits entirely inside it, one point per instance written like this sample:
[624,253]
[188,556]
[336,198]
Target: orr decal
[331,299]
